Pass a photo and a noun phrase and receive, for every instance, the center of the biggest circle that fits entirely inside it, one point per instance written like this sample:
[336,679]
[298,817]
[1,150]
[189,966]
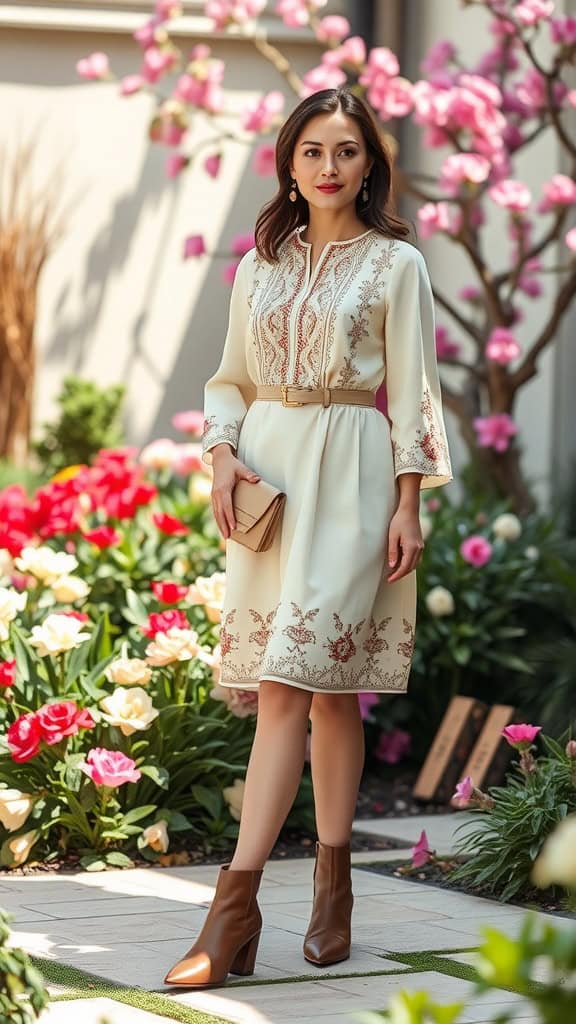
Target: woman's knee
[341,705]
[282,699]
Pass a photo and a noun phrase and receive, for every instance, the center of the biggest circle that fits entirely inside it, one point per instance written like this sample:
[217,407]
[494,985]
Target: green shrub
[89,420]
[22,992]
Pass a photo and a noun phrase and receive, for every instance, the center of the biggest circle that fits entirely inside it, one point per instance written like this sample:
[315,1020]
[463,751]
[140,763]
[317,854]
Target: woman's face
[330,149]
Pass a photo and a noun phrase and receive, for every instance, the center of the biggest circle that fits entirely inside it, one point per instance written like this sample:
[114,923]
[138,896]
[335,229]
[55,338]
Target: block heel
[246,957]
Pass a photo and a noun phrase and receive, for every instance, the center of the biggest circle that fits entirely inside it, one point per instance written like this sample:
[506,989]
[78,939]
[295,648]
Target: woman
[333,301]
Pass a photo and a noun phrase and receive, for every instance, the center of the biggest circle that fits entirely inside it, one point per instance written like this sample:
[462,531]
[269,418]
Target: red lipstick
[329,188]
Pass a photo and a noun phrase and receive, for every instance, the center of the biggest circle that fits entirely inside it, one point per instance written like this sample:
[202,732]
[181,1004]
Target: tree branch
[528,368]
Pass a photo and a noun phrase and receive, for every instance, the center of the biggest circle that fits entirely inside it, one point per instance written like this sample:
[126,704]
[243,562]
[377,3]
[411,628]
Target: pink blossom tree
[481,118]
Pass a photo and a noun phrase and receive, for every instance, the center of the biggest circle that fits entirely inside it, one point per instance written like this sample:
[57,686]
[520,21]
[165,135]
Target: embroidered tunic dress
[315,611]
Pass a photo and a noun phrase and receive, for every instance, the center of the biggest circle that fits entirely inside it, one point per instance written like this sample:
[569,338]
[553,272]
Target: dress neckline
[343,241]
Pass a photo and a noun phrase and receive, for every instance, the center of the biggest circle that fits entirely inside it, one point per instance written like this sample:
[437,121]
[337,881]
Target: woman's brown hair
[279,216]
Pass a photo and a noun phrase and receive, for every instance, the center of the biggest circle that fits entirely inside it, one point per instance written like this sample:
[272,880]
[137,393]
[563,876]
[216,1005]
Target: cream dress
[315,610]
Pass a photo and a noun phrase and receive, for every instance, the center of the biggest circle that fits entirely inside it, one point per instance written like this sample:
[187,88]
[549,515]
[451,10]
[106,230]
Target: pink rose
[502,346]
[24,737]
[61,719]
[476,550]
[521,736]
[421,852]
[110,767]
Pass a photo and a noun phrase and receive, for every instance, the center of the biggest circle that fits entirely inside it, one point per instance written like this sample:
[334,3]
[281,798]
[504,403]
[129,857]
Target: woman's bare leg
[274,771]
[337,759]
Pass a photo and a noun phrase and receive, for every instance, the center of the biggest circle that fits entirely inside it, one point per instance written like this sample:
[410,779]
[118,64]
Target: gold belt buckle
[285,400]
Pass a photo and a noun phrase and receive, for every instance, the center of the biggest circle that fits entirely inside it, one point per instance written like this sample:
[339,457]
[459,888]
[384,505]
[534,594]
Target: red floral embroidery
[375,643]
[228,641]
[343,647]
[298,633]
[262,635]
[406,647]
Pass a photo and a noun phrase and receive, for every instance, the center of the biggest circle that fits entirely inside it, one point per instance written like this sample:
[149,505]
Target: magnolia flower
[209,591]
[20,847]
[507,526]
[234,795]
[45,564]
[439,601]
[128,671]
[174,645]
[67,589]
[58,633]
[421,852]
[14,808]
[156,836]
[130,709]
[556,864]
[11,602]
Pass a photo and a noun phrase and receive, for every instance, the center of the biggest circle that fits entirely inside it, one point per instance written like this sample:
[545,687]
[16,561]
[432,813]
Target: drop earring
[365,190]
[293,195]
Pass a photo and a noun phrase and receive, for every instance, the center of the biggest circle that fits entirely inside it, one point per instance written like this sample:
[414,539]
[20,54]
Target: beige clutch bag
[258,511]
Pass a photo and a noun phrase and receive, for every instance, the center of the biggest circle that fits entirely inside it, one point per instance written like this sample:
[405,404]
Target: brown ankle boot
[327,940]
[229,937]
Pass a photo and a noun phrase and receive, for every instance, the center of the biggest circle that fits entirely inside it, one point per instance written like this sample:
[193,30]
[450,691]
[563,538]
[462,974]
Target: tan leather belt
[292,395]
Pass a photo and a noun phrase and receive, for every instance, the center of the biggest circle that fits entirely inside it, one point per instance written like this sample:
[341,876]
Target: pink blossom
[440,54]
[464,791]
[212,164]
[93,68]
[166,9]
[421,852]
[521,736]
[460,167]
[502,346]
[559,191]
[194,246]
[476,550]
[324,76]
[189,422]
[365,702]
[232,12]
[530,12]
[156,62]
[200,52]
[563,30]
[296,13]
[571,97]
[131,84]
[352,51]
[264,115]
[495,431]
[146,35]
[202,88]
[511,194]
[382,60]
[446,347]
[570,239]
[470,293]
[176,163]
[440,216]
[392,746]
[264,160]
[229,272]
[333,28]
[396,99]
[240,244]
[110,767]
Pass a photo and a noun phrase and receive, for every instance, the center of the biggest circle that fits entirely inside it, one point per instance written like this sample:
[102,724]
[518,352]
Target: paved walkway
[99,932]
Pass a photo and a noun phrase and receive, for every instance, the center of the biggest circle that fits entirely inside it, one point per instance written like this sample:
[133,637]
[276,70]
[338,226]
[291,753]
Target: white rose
[215,662]
[173,645]
[11,602]
[159,454]
[532,553]
[45,564]
[209,591]
[131,710]
[67,589]
[556,864]
[14,808]
[20,847]
[156,836]
[128,671]
[234,795]
[200,488]
[58,633]
[6,563]
[507,526]
[425,525]
[439,601]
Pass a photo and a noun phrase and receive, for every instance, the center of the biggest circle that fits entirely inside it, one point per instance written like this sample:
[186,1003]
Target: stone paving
[96,932]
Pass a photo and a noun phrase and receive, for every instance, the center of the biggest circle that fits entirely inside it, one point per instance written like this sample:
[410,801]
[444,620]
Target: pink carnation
[421,852]
[511,194]
[502,346]
[521,736]
[476,550]
[110,767]
[495,431]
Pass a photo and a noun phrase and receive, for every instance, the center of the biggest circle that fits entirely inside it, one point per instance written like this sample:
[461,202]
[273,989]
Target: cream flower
[214,660]
[439,601]
[532,553]
[174,645]
[14,808]
[131,710]
[234,796]
[58,633]
[507,526]
[209,591]
[6,563]
[200,488]
[556,864]
[45,564]
[67,589]
[425,525]
[11,602]
[20,847]
[128,671]
[156,836]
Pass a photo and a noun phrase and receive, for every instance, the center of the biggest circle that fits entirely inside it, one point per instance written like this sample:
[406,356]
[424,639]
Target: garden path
[105,940]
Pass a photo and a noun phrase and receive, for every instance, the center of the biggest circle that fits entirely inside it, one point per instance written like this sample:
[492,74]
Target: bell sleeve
[418,433]
[230,390]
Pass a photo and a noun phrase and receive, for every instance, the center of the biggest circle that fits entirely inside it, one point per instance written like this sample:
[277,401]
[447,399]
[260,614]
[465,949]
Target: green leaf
[137,813]
[93,862]
[118,859]
[210,799]
[158,774]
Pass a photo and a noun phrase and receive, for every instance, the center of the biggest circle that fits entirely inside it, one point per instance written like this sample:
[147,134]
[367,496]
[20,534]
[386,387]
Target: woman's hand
[405,543]
[227,470]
